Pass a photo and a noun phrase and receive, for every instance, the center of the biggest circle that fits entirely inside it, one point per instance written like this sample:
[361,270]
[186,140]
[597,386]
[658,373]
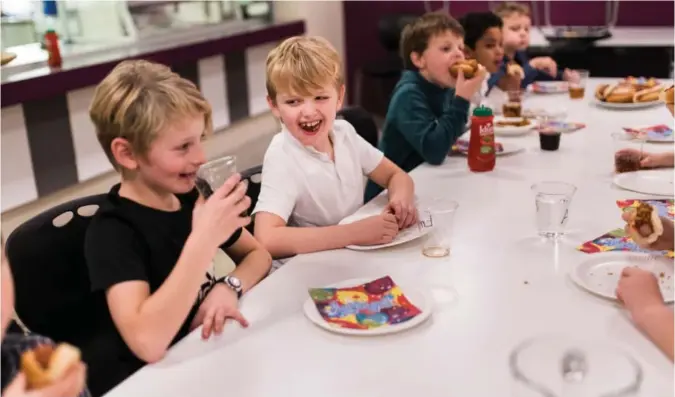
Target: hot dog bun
[648,95]
[46,364]
[617,93]
[469,67]
[646,225]
[600,91]
[667,97]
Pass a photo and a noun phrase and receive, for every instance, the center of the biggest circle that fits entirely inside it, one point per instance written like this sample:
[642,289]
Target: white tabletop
[633,36]
[483,305]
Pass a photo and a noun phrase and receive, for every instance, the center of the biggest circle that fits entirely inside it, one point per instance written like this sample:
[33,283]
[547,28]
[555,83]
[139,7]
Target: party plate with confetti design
[368,307]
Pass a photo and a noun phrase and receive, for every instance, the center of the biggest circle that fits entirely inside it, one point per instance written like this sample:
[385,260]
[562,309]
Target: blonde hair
[416,35]
[137,99]
[302,65]
[509,8]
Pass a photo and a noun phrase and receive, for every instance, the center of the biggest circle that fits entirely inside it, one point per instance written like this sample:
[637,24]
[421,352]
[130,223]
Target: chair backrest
[254,177]
[389,29]
[362,121]
[46,256]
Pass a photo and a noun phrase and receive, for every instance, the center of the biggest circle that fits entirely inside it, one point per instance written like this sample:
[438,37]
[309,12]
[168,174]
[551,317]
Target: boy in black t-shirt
[151,244]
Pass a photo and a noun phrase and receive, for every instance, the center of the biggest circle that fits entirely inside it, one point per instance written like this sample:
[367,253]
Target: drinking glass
[552,201]
[561,366]
[628,150]
[212,175]
[439,216]
[514,104]
[577,85]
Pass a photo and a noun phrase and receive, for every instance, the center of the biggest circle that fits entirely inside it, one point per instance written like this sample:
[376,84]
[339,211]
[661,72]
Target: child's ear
[341,97]
[416,59]
[123,153]
[272,103]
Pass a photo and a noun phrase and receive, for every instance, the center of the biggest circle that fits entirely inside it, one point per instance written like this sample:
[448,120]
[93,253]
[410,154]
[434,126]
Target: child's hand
[217,218]
[377,229]
[638,290]
[404,210]
[71,385]
[220,304]
[656,160]
[546,64]
[571,76]
[665,240]
[468,88]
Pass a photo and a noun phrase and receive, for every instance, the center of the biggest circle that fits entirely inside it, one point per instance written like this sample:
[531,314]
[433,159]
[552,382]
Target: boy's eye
[322,98]
[292,102]
[184,146]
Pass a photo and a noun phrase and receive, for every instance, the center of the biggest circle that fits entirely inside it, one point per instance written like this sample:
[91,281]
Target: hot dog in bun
[469,67]
[513,69]
[667,97]
[645,224]
[46,364]
[648,95]
[615,93]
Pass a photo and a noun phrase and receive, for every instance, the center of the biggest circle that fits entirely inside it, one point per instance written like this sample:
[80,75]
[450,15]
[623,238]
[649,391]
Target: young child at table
[516,34]
[314,169]
[429,108]
[151,244]
[483,42]
[15,344]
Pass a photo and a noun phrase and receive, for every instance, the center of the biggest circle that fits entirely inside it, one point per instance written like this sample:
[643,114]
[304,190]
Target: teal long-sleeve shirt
[423,122]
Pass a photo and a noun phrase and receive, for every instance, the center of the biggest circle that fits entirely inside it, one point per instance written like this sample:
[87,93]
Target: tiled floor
[248,140]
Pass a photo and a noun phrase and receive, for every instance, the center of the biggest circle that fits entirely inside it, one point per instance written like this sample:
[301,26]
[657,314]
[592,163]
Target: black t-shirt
[127,241]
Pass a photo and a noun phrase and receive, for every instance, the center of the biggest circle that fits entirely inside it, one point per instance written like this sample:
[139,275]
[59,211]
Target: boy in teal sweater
[428,108]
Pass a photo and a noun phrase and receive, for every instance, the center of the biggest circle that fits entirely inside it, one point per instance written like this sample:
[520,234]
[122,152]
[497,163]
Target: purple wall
[361,18]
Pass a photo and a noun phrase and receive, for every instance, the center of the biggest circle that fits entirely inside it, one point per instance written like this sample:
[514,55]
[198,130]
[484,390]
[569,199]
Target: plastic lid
[482,111]
[50,31]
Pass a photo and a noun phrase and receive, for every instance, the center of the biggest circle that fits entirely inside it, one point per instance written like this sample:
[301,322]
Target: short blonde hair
[509,8]
[302,65]
[137,99]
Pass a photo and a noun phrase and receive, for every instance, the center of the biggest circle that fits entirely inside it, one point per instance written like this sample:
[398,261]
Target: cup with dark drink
[212,175]
[577,85]
[628,152]
[549,139]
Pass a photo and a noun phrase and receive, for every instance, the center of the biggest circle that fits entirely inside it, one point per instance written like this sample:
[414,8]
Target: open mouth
[311,127]
[188,175]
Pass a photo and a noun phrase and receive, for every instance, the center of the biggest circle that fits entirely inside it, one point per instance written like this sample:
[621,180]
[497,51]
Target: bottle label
[487,138]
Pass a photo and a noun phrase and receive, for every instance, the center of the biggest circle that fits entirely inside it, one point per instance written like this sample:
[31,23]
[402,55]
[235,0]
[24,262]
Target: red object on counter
[52,44]
[482,156]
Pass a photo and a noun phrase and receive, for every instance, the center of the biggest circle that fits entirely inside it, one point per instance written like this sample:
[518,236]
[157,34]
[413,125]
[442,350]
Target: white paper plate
[409,234]
[658,138]
[656,182]
[417,296]
[512,131]
[600,273]
[627,106]
[509,148]
[549,87]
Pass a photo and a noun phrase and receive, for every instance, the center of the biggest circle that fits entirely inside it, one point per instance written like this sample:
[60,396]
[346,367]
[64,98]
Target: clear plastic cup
[439,215]
[577,85]
[552,200]
[212,175]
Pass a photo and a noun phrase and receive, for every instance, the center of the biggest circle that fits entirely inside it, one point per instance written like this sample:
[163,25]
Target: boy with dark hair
[428,108]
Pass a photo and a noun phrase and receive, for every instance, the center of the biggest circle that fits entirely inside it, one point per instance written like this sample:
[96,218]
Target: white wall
[322,18]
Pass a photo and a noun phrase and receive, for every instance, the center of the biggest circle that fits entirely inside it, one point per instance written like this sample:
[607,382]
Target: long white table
[500,285]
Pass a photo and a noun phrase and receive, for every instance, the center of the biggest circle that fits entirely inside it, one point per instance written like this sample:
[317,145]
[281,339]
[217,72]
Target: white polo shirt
[306,188]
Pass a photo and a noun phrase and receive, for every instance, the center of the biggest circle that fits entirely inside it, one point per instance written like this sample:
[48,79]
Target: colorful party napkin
[665,207]
[561,126]
[654,132]
[616,240]
[378,303]
[462,146]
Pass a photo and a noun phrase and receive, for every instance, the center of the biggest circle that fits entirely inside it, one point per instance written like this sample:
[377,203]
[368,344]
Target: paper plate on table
[404,236]
[653,133]
[600,273]
[501,149]
[627,106]
[512,130]
[549,87]
[656,182]
[368,307]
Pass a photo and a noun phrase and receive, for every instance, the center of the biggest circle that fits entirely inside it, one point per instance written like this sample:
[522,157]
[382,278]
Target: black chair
[363,122]
[254,177]
[52,288]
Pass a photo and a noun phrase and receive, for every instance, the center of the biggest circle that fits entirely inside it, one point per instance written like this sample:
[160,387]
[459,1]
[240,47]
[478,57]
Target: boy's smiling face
[443,50]
[516,32]
[489,51]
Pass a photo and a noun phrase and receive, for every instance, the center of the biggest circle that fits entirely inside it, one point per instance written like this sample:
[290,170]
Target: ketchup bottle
[52,44]
[482,143]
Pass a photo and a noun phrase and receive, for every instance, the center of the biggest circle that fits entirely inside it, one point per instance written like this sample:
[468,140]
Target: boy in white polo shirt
[313,172]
